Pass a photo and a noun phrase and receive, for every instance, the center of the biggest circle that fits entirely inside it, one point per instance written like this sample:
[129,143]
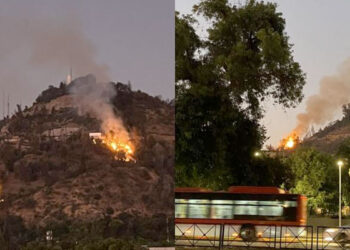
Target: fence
[333,237]
[249,236]
[296,237]
[198,235]
[244,236]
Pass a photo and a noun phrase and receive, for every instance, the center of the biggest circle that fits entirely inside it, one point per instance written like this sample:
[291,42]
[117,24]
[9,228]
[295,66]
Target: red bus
[245,205]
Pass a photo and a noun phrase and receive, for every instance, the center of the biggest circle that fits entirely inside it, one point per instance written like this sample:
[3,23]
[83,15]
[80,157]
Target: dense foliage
[124,232]
[221,82]
[315,175]
[344,154]
[214,146]
[250,50]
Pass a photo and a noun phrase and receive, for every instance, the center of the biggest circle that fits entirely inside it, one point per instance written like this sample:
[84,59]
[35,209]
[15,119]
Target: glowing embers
[123,149]
[114,146]
[289,142]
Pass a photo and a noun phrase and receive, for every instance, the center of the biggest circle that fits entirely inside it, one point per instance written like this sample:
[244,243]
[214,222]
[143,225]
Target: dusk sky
[120,40]
[317,28]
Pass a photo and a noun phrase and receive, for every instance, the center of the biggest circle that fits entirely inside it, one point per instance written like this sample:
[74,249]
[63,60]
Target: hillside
[331,137]
[51,171]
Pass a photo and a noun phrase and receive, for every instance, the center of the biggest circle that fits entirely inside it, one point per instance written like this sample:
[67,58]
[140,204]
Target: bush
[51,93]
[9,156]
[29,203]
[97,197]
[109,211]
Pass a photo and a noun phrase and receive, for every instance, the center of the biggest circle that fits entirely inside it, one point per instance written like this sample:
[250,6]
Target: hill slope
[50,170]
[331,137]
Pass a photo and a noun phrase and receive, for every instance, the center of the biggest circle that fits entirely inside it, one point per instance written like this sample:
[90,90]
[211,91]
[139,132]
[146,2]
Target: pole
[167,229]
[8,106]
[339,215]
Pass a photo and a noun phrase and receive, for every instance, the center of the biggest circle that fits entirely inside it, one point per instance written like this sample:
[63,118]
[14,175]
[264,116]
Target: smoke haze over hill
[320,108]
[114,40]
[49,44]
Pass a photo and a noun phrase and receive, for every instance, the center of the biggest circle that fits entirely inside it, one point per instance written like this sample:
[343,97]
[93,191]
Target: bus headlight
[328,239]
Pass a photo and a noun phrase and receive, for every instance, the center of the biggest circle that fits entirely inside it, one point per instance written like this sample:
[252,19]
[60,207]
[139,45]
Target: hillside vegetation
[54,177]
[330,138]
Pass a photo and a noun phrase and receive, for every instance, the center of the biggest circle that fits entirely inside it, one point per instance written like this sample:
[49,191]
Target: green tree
[315,176]
[251,51]
[186,44]
[220,84]
[213,146]
[344,154]
[272,171]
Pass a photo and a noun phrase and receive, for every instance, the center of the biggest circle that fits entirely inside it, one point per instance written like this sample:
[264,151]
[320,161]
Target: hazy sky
[319,31]
[129,40]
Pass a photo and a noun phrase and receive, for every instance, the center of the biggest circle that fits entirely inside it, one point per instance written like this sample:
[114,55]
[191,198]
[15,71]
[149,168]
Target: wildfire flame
[123,149]
[289,142]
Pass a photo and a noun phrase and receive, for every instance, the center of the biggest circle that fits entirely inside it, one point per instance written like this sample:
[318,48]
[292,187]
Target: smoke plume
[53,44]
[95,99]
[320,108]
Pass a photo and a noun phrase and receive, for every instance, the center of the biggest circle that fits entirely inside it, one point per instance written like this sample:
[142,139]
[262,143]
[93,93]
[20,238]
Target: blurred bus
[247,207]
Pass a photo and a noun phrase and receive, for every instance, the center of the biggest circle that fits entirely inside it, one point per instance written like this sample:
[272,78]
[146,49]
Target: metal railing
[259,236]
[198,235]
[296,237]
[333,237]
[244,236]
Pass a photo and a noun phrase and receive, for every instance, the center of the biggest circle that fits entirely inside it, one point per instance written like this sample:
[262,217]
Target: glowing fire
[289,142]
[114,146]
[123,149]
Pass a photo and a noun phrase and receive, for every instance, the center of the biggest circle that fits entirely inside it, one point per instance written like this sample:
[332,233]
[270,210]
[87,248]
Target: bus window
[290,204]
[198,208]
[245,208]
[221,209]
[265,208]
[270,208]
[180,208]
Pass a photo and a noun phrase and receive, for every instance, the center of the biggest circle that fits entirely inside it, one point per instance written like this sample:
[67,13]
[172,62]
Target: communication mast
[70,76]
[8,106]
[3,104]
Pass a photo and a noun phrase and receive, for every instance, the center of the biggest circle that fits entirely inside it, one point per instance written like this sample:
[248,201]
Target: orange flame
[289,142]
[124,150]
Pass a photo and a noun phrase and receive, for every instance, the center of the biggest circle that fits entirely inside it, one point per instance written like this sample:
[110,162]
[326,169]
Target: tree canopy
[315,175]
[344,154]
[221,82]
[251,52]
[214,140]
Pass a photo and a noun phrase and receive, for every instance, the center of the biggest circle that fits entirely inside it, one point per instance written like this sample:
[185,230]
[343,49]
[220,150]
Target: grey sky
[318,30]
[134,39]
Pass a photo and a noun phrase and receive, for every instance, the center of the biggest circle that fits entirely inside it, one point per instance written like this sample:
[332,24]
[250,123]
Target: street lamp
[257,154]
[340,163]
